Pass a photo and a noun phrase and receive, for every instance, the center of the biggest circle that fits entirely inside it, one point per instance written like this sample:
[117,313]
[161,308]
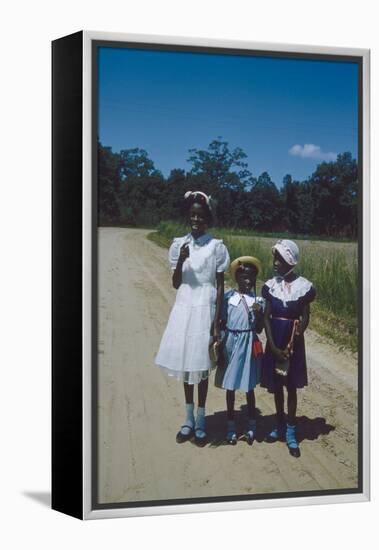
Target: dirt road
[141,409]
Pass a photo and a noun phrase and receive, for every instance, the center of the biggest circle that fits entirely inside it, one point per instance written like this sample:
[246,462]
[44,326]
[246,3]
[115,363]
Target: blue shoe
[292,444]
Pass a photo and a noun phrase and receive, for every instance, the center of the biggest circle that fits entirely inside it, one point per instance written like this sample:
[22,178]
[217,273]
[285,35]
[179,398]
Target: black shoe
[231,438]
[292,443]
[200,441]
[277,434]
[294,452]
[250,436]
[251,430]
[181,437]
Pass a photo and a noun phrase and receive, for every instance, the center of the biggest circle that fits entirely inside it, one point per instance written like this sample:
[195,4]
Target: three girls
[198,263]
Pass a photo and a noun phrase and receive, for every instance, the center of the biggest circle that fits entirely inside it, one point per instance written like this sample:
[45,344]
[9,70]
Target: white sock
[190,420]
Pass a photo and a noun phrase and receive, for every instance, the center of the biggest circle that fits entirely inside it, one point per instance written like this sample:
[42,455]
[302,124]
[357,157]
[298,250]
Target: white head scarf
[288,250]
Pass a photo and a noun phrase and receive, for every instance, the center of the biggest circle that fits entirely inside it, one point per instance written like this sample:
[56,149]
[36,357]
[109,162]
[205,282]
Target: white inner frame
[88,512]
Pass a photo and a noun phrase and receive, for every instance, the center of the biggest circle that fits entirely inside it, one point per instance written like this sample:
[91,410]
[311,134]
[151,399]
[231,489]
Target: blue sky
[286,114]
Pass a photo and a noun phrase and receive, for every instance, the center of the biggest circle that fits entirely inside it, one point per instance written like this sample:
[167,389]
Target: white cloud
[311,151]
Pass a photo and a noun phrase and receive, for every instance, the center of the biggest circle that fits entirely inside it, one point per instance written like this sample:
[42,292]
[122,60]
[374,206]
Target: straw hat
[244,260]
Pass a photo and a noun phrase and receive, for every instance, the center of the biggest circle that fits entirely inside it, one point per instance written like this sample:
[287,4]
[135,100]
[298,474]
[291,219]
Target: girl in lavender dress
[288,297]
[198,262]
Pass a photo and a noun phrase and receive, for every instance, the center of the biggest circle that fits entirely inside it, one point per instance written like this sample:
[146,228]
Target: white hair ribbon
[194,193]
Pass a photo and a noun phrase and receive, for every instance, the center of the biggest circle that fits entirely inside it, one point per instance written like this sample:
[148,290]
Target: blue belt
[239,330]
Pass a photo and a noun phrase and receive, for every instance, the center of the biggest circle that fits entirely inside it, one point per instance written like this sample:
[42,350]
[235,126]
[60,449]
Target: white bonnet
[288,250]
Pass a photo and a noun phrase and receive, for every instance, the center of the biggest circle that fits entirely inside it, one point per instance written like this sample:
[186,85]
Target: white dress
[183,352]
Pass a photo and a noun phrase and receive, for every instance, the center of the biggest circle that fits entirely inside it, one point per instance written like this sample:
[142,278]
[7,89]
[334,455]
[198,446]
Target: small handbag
[257,350]
[283,367]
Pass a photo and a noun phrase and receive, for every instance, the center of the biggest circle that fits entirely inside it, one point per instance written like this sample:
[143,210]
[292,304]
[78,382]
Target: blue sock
[189,421]
[200,422]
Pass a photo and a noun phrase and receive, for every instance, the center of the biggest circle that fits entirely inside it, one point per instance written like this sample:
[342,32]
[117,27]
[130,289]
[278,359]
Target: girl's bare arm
[259,319]
[280,354]
[219,301]
[304,319]
[177,275]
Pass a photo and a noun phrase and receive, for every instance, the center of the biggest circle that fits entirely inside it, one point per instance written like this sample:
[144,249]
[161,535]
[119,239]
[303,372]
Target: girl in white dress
[198,262]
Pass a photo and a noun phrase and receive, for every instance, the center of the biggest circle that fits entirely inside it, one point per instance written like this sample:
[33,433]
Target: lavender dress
[287,302]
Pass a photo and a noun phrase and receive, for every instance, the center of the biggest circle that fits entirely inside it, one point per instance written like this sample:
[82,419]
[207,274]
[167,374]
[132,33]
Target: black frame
[67,417]
[67,204]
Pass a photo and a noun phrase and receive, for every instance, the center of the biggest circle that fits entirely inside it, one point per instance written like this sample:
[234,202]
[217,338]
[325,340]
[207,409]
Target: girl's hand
[299,329]
[281,354]
[184,252]
[257,308]
[216,335]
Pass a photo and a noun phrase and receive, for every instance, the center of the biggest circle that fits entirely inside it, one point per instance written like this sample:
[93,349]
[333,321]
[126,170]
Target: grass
[167,226]
[332,269]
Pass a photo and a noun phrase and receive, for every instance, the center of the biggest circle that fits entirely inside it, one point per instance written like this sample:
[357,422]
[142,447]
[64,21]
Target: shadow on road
[307,428]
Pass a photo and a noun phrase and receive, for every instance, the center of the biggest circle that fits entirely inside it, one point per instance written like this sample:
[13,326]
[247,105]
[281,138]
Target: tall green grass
[237,231]
[333,273]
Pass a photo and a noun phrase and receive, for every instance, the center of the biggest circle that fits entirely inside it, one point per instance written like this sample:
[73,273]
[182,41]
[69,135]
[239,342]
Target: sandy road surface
[140,409]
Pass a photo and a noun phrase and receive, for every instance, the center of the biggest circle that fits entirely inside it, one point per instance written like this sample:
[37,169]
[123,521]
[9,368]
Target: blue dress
[242,371]
[287,301]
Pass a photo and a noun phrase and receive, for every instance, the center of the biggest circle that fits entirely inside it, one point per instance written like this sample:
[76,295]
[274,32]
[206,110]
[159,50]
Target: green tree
[334,188]
[142,189]
[305,213]
[297,205]
[264,204]
[136,163]
[108,186]
[219,166]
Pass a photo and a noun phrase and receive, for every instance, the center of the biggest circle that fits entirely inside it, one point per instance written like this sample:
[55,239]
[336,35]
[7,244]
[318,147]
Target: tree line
[132,192]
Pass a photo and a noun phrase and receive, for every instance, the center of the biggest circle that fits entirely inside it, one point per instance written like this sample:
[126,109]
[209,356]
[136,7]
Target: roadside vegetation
[332,268]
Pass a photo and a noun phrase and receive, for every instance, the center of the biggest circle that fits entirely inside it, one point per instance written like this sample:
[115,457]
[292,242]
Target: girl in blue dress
[242,319]
[286,318]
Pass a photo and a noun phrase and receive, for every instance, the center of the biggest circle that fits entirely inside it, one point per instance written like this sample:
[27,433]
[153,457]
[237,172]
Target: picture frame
[76,332]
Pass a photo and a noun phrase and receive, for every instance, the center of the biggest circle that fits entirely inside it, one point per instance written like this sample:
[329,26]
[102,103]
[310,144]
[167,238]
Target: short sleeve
[309,296]
[224,309]
[173,253]
[222,257]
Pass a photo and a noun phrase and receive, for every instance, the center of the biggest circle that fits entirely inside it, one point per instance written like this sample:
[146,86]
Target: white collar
[200,241]
[288,291]
[236,298]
